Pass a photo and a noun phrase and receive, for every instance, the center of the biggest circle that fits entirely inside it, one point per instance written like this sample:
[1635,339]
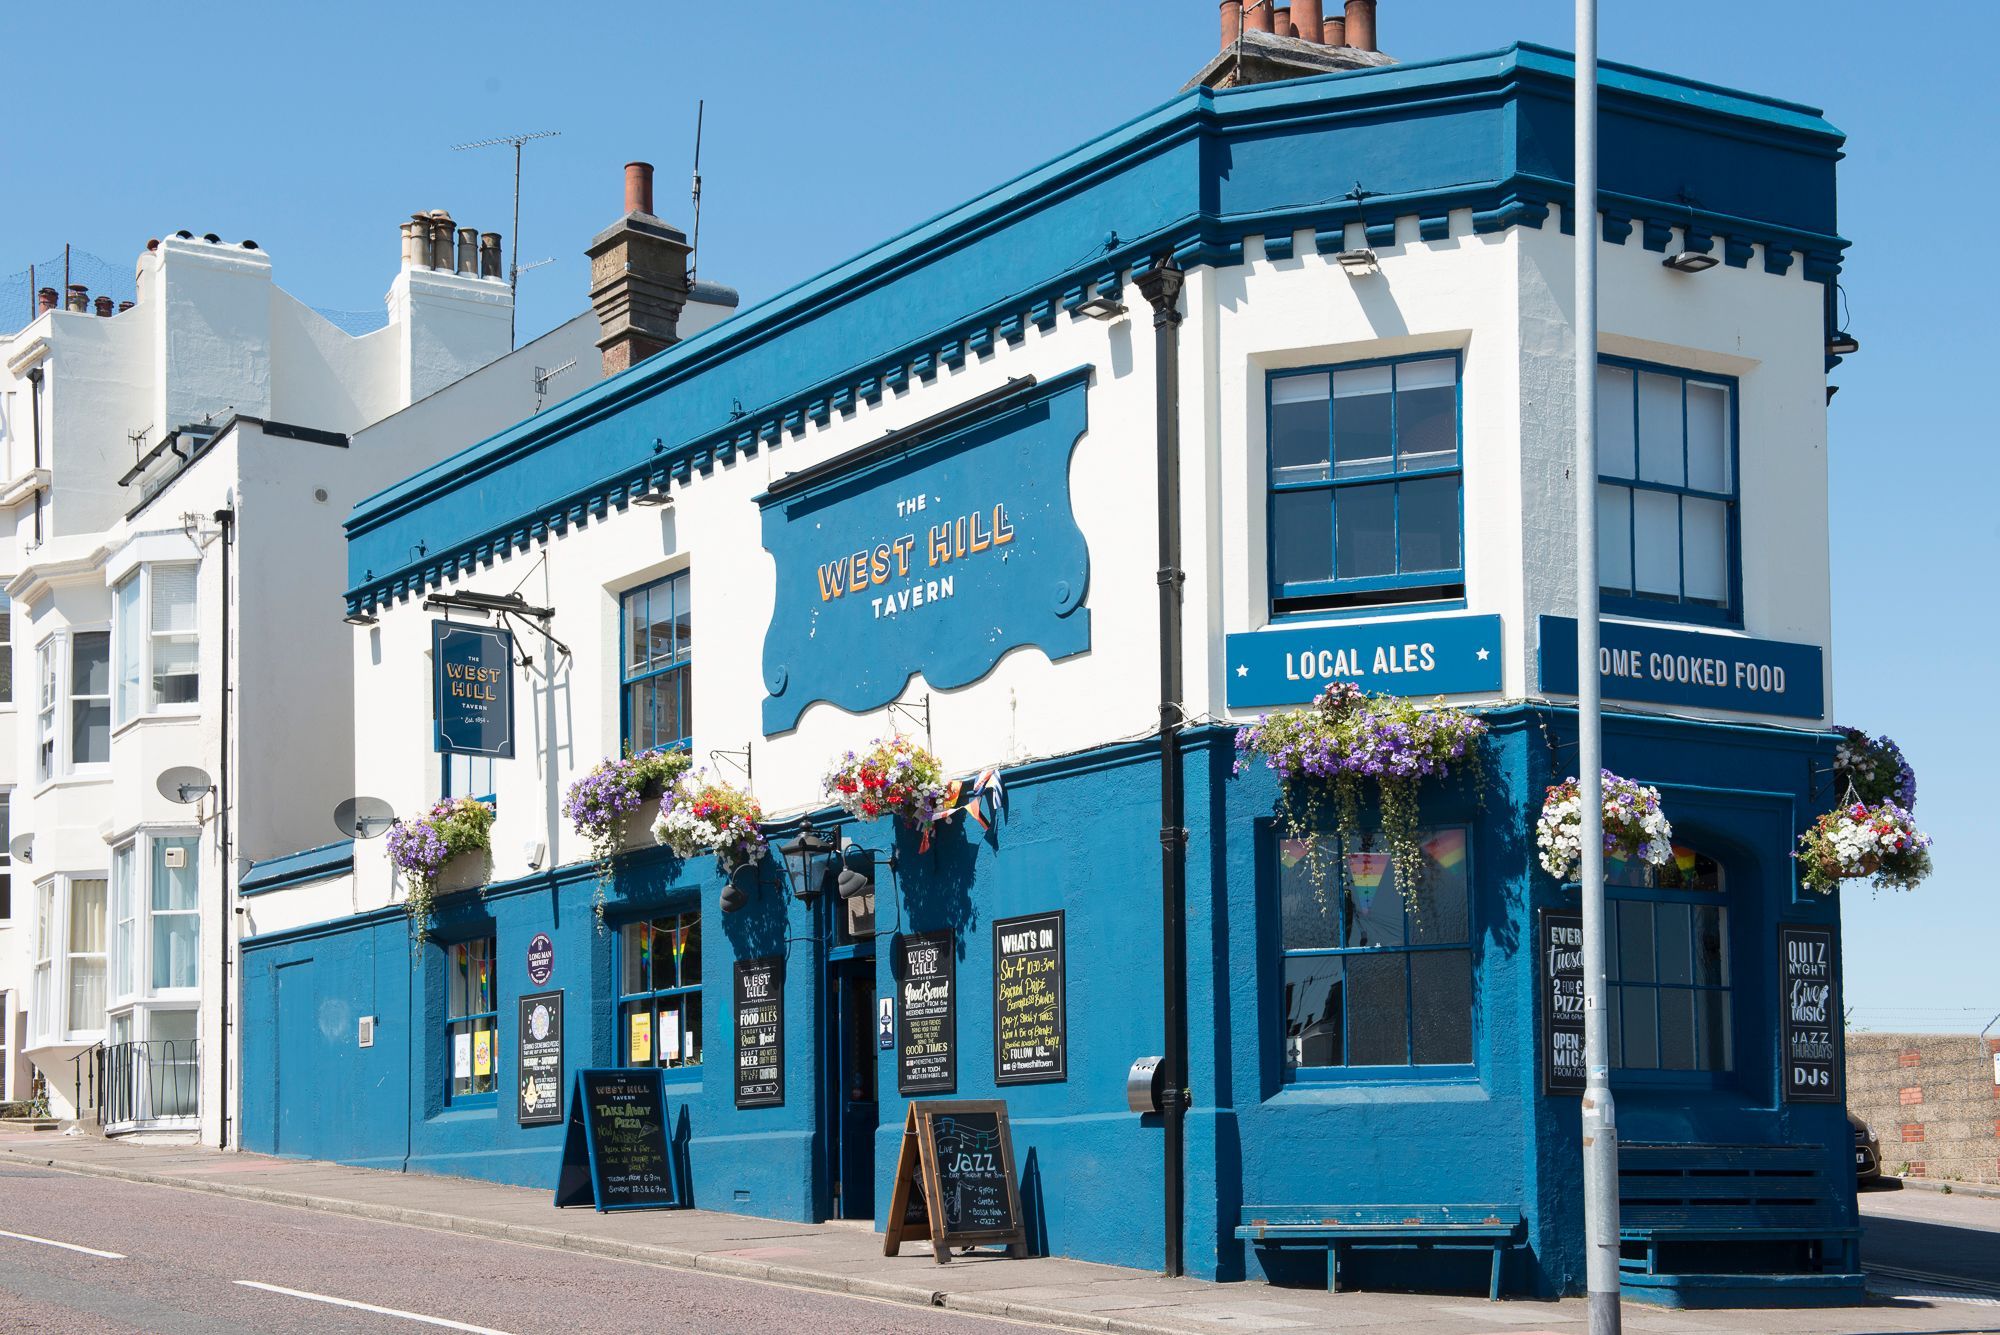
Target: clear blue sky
[316,128]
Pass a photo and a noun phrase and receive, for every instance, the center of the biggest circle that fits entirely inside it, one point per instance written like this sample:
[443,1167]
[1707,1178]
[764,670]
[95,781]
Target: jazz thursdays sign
[473,685]
[1428,656]
[934,551]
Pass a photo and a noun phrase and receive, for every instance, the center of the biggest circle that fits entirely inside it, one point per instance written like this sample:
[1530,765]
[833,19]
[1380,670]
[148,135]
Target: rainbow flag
[1446,848]
[1684,858]
[1367,869]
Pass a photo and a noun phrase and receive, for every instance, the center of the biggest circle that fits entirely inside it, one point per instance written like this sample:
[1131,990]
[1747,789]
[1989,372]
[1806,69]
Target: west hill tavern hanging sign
[472,670]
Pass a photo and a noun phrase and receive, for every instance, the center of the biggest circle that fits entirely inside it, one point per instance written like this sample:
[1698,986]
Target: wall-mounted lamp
[1357,262]
[807,846]
[534,851]
[1842,344]
[1101,308]
[360,618]
[652,494]
[1689,261]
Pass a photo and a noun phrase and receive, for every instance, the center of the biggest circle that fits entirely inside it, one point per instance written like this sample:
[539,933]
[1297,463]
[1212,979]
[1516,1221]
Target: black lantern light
[807,846]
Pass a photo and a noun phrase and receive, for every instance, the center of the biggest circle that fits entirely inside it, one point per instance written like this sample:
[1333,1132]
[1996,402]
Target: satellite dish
[185,784]
[364,817]
[22,848]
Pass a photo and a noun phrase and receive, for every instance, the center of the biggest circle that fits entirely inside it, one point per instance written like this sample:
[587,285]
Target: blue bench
[1338,1228]
[1692,1194]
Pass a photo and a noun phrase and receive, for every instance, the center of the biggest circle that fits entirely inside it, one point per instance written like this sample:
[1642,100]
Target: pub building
[1296,351]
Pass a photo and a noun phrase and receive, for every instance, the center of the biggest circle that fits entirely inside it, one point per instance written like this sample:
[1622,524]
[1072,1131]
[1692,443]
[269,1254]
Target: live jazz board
[616,1153]
[955,1183]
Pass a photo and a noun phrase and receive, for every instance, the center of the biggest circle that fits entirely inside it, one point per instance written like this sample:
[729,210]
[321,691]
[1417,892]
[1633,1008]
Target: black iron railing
[148,1082]
[84,1070]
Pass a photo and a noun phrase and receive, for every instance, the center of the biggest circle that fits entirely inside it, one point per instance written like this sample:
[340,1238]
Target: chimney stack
[45,300]
[1361,24]
[489,255]
[1306,20]
[638,278]
[1232,22]
[79,299]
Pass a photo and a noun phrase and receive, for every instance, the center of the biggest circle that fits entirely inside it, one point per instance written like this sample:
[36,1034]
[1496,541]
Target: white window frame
[148,988]
[147,639]
[54,960]
[48,709]
[124,989]
[47,950]
[71,954]
[125,949]
[55,706]
[6,654]
[6,865]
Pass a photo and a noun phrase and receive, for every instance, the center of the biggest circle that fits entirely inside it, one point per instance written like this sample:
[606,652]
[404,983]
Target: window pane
[1441,918]
[90,664]
[1656,543]
[1660,445]
[1708,436]
[1365,533]
[1301,428]
[1615,449]
[1642,1046]
[1635,942]
[635,631]
[1429,524]
[86,994]
[176,671]
[457,972]
[86,917]
[1441,1006]
[1705,539]
[1676,1029]
[174,886]
[1711,945]
[1374,906]
[1614,539]
[90,729]
[173,599]
[1378,1026]
[126,624]
[1308,915]
[1426,414]
[1712,1050]
[1301,537]
[690,949]
[1672,947]
[1361,442]
[660,623]
[683,616]
[175,938]
[636,958]
[1315,1010]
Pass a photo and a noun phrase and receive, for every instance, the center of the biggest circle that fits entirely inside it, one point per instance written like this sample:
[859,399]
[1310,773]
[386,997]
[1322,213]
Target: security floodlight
[360,618]
[1842,344]
[652,494]
[1689,261]
[1357,262]
[1101,308]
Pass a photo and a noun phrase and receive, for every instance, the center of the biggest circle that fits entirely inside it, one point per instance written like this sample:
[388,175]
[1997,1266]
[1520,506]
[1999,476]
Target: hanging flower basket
[430,852]
[1873,770]
[1879,842]
[607,806]
[892,777]
[701,815]
[1348,740]
[1634,825]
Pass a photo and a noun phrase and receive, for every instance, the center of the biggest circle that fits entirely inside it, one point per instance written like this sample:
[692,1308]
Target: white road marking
[66,1246]
[371,1307]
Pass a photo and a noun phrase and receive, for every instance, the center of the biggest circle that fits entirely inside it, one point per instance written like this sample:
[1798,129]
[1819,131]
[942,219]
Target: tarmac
[847,1258]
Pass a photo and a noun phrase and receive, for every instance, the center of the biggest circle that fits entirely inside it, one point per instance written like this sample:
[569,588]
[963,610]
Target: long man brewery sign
[927,1019]
[1030,1026]
[1698,669]
[760,1033]
[934,551]
[1418,656]
[1808,1014]
[473,685]
[1561,980]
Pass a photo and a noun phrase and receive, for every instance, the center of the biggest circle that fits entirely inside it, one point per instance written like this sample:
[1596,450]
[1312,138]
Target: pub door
[849,1096]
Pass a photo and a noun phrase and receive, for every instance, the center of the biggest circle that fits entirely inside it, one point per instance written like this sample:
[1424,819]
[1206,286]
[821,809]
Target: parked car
[1867,1151]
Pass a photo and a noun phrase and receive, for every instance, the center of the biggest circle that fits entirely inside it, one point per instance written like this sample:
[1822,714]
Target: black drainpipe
[35,412]
[1161,287]
[226,518]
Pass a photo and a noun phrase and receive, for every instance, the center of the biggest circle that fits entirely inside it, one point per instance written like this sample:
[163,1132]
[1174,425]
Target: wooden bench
[1736,1193]
[1337,1228]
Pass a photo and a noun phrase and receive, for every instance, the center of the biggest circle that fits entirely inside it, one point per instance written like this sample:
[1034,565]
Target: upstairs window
[1667,532]
[657,677]
[1365,482]
[158,648]
[73,702]
[6,857]
[6,651]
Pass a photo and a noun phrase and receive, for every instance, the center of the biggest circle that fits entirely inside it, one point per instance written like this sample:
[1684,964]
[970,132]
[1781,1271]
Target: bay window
[158,649]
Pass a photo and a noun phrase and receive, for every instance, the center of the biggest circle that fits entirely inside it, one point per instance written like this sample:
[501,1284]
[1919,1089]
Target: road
[1920,1235]
[185,1262]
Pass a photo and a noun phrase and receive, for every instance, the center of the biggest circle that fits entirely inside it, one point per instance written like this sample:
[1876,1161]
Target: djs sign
[473,685]
[935,550]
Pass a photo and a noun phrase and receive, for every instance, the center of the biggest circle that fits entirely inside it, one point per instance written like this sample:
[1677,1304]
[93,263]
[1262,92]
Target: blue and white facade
[918,493]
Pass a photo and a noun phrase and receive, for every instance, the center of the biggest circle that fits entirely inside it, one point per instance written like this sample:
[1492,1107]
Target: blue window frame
[656,695]
[471,1023]
[467,776]
[1364,468]
[1668,966]
[659,991]
[1367,982]
[1667,516]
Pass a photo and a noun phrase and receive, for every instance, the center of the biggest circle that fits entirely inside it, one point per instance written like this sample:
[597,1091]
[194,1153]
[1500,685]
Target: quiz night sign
[472,671]
[1687,667]
[1416,656]
[934,552]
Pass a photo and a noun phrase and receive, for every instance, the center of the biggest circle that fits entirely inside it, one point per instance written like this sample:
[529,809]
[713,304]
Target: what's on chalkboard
[955,1182]
[1810,1012]
[617,1153]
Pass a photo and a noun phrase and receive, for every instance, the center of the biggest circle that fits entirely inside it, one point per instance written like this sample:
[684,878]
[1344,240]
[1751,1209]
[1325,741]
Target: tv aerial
[364,817]
[184,784]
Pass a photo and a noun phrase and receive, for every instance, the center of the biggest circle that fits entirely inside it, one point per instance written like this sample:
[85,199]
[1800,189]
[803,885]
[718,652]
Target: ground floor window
[471,1020]
[1668,965]
[659,991]
[1370,980]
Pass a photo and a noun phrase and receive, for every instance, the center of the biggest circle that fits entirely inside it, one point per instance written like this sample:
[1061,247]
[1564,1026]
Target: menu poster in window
[927,1021]
[1806,975]
[760,1033]
[1561,982]
[1030,1026]
[539,1059]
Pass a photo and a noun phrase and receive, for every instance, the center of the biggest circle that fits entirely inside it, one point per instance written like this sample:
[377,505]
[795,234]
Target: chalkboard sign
[1561,982]
[955,1182]
[616,1154]
[1807,978]
[760,1033]
[539,1059]
[927,1021]
[1030,1023]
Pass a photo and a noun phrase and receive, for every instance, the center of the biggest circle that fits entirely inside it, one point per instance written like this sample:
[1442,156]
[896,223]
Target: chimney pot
[152,245]
[1333,31]
[1232,22]
[440,227]
[1257,15]
[1361,24]
[1306,21]
[489,255]
[124,306]
[468,251]
[79,299]
[638,187]
[45,300]
[106,306]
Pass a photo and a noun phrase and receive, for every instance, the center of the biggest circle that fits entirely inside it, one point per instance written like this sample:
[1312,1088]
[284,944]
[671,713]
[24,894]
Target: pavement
[1941,1275]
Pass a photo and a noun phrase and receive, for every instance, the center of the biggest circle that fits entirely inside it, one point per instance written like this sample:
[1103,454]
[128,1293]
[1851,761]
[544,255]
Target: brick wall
[1933,1101]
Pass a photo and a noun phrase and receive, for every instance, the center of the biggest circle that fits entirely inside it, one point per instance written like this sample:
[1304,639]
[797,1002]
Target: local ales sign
[927,1019]
[1806,973]
[1030,1029]
[936,550]
[1415,656]
[473,677]
[1561,976]
[760,1033]
[616,1154]
[1687,667]
[955,1183]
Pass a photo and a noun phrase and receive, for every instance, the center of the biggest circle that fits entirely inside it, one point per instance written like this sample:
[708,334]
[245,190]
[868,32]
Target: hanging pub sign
[955,1183]
[1561,982]
[760,1033]
[936,549]
[539,1059]
[1030,1026]
[927,1019]
[472,670]
[1457,655]
[1809,1013]
[616,1154]
[1699,669]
